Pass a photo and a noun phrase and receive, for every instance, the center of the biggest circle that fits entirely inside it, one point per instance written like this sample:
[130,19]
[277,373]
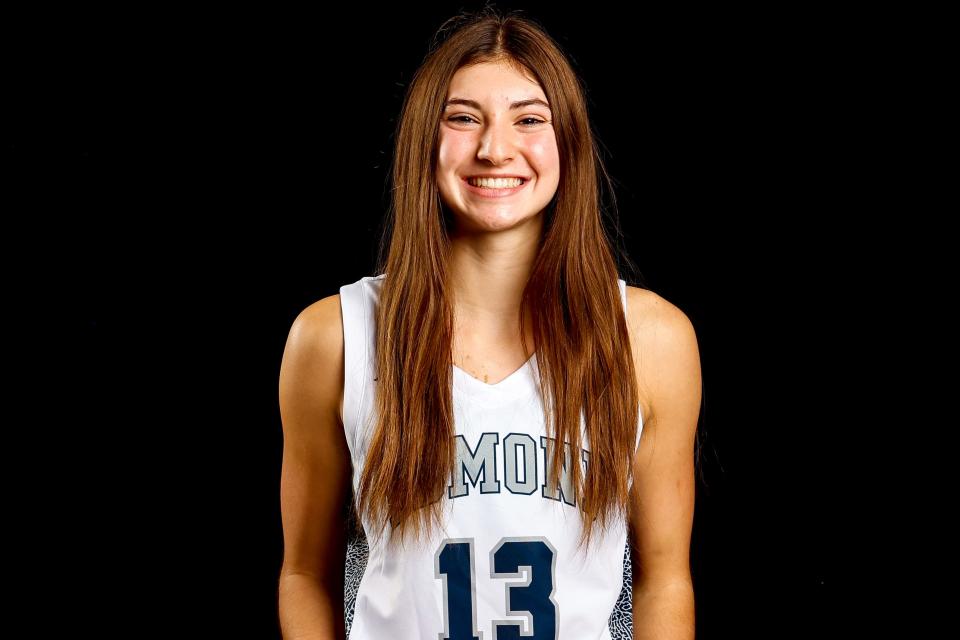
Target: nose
[496,145]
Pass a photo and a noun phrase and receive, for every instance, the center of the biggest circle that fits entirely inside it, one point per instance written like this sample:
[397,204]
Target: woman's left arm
[667,359]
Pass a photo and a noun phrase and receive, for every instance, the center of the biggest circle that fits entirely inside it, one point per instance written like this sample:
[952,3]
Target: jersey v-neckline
[515,380]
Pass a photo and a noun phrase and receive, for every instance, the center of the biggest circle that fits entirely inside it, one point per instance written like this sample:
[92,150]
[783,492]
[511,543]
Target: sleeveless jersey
[507,564]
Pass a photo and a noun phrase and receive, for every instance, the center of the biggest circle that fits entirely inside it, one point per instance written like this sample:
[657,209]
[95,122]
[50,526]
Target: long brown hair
[578,324]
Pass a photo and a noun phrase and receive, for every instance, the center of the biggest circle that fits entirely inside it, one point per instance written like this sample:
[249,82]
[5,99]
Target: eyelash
[535,122]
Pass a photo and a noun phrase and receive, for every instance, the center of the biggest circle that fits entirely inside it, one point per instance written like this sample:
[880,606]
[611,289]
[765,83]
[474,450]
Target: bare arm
[315,476]
[662,499]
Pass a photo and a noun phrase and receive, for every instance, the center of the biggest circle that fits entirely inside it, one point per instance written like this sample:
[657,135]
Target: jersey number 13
[454,564]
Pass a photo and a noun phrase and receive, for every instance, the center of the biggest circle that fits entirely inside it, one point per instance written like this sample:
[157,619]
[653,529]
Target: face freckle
[496,121]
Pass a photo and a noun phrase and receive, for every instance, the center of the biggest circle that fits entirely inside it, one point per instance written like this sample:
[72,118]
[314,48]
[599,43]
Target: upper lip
[495,175]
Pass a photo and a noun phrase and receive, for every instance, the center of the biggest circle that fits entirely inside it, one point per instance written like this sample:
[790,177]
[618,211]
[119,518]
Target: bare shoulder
[314,352]
[665,349]
[322,319]
[647,308]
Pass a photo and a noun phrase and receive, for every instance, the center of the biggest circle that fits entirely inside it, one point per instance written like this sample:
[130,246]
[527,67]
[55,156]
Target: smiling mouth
[496,189]
[491,182]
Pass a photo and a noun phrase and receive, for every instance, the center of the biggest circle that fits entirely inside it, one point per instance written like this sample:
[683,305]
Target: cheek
[543,150]
[451,149]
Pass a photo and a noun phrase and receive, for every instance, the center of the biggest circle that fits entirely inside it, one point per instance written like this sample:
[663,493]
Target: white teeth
[496,183]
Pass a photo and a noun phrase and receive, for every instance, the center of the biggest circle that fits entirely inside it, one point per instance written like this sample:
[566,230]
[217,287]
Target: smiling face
[496,122]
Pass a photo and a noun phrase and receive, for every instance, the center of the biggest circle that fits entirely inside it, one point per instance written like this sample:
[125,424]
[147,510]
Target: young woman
[431,399]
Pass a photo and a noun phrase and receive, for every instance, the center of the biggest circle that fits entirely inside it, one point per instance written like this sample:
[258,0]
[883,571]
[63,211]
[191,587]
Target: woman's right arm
[315,479]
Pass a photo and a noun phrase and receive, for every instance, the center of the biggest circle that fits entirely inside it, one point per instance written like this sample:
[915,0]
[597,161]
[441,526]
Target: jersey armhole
[636,446]
[353,316]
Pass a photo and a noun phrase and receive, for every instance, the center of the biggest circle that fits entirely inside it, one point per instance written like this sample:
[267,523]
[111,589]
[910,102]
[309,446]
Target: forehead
[494,84]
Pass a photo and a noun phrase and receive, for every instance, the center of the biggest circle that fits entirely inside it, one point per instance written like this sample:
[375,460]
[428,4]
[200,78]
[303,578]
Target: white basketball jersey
[507,565]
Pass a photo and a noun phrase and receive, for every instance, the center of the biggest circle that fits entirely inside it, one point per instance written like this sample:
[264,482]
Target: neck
[487,274]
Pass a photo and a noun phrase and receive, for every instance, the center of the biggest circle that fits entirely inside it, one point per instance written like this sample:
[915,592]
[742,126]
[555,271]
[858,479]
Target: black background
[195,180]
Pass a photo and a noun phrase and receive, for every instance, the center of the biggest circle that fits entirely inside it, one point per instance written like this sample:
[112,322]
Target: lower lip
[495,193]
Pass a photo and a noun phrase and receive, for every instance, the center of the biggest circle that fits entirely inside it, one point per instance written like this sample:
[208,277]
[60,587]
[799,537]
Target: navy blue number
[454,561]
[533,599]
[454,565]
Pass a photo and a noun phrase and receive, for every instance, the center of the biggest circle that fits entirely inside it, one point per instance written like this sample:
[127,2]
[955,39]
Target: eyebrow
[519,104]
